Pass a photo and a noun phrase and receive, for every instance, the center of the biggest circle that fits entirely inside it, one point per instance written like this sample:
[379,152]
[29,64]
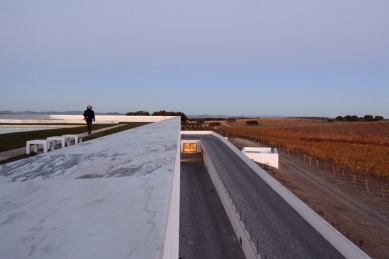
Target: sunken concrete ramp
[205,231]
[105,198]
[280,230]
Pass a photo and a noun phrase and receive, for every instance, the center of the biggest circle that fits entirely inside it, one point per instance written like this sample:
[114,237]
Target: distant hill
[59,113]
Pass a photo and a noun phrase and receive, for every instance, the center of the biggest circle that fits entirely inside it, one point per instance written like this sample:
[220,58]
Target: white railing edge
[170,240]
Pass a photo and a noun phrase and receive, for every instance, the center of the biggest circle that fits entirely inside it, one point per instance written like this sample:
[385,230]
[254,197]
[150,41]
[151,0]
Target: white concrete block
[47,144]
[262,155]
[77,137]
[64,140]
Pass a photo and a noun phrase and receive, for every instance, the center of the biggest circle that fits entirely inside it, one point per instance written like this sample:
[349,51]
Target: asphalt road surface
[281,231]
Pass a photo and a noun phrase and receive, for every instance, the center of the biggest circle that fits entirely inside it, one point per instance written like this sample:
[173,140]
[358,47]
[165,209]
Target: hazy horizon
[5,112]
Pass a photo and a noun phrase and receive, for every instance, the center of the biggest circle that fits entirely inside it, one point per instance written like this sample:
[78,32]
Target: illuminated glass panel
[190,148]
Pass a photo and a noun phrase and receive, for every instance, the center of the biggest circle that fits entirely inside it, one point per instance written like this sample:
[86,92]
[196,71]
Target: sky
[234,58]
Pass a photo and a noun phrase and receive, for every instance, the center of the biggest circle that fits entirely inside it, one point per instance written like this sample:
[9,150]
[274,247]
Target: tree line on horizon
[159,113]
[349,118]
[356,118]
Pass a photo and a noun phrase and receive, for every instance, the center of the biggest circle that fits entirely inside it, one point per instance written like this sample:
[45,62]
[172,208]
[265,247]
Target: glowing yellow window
[190,147]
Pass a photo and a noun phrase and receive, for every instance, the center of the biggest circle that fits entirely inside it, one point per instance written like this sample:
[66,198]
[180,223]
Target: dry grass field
[359,147]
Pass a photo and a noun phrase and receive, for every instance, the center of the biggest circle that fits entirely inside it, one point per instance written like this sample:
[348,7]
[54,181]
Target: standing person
[89,115]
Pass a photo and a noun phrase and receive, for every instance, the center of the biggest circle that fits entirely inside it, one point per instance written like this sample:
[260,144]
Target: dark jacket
[89,115]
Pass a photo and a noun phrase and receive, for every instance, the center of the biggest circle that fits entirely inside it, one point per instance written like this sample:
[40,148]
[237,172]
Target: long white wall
[257,149]
[170,242]
[117,118]
[78,119]
[205,132]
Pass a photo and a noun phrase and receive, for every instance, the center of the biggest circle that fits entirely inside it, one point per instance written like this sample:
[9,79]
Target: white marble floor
[105,198]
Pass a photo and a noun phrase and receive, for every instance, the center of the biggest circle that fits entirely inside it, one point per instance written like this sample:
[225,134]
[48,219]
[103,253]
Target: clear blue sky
[288,58]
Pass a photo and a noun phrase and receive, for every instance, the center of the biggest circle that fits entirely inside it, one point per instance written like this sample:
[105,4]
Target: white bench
[77,137]
[64,140]
[47,144]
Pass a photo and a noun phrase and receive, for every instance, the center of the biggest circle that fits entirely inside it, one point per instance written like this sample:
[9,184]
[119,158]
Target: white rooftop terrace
[112,197]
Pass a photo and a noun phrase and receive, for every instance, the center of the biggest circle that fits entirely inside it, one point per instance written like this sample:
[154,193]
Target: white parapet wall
[204,132]
[184,132]
[170,241]
[266,150]
[262,155]
[118,118]
[79,119]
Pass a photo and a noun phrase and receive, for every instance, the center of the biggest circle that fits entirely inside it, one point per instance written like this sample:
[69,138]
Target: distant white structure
[262,155]
[79,119]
